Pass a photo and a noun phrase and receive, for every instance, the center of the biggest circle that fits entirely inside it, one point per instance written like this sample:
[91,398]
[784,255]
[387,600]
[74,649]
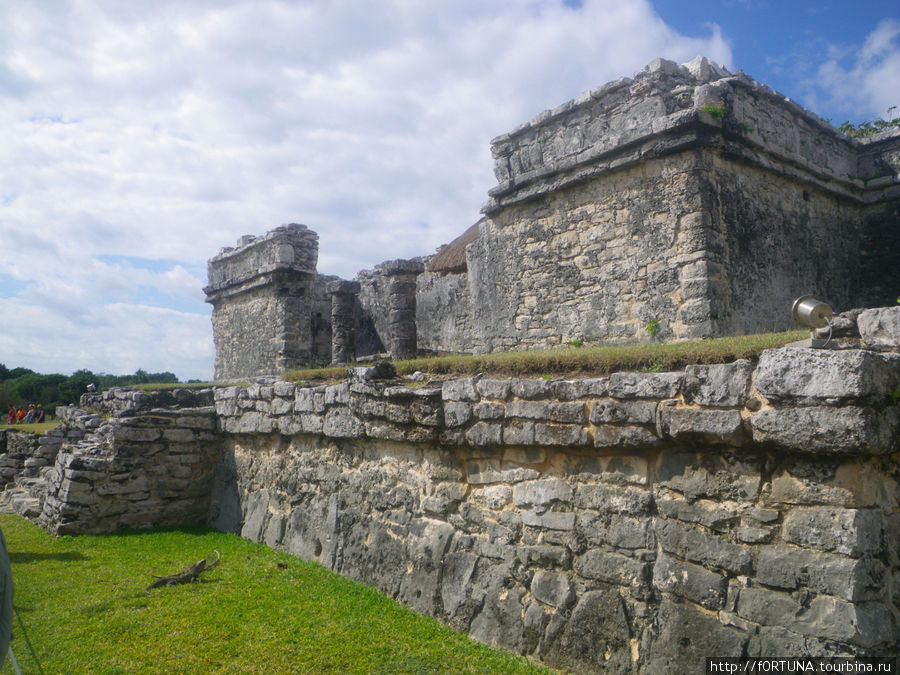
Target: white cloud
[864,81]
[165,130]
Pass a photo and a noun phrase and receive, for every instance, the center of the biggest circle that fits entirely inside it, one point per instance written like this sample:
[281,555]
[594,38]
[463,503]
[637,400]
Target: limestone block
[613,499]
[687,636]
[485,433]
[848,531]
[552,588]
[312,423]
[706,549]
[824,429]
[489,411]
[530,389]
[533,410]
[137,434]
[710,425]
[459,390]
[497,389]
[706,512]
[568,413]
[880,328]
[551,520]
[613,568]
[518,432]
[608,411]
[619,531]
[341,423]
[624,437]
[791,567]
[595,633]
[285,389]
[573,435]
[817,375]
[483,471]
[282,406]
[571,390]
[721,386]
[541,492]
[716,477]
[690,581]
[457,413]
[337,394]
[644,385]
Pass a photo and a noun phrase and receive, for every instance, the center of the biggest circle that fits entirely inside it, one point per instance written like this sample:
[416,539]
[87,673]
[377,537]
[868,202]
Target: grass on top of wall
[581,360]
[81,606]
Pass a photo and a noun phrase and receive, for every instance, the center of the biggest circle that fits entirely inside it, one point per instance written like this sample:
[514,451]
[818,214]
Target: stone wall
[150,469]
[267,308]
[444,313]
[697,200]
[636,523]
[640,521]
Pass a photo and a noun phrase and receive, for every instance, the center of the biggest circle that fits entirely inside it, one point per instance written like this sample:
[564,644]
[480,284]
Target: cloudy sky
[139,137]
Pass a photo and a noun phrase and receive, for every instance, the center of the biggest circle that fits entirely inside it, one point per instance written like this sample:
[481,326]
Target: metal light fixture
[811,313]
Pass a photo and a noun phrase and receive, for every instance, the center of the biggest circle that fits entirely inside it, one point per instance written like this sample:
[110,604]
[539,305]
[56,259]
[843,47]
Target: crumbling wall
[153,468]
[444,313]
[637,523]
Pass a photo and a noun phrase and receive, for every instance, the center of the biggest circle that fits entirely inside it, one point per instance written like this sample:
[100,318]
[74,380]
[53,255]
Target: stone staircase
[26,494]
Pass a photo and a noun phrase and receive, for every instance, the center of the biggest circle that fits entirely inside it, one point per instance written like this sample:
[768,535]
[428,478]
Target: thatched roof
[451,259]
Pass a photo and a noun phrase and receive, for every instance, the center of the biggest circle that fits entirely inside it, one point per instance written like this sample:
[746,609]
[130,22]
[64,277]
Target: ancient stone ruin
[687,202]
[639,522]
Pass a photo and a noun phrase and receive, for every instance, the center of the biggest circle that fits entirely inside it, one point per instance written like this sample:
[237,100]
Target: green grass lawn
[81,605]
[41,428]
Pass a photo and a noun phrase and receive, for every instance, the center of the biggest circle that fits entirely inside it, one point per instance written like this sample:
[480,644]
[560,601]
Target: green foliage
[714,110]
[21,386]
[83,608]
[652,327]
[576,343]
[870,127]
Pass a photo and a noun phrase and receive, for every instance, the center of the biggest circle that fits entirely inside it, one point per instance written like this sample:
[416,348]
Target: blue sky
[138,138]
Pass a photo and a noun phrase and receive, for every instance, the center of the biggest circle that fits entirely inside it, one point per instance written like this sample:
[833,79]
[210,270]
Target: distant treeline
[21,386]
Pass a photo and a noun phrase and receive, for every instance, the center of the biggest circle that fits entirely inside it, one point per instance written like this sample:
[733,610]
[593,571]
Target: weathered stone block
[530,389]
[704,475]
[613,499]
[710,550]
[459,390]
[717,426]
[532,410]
[341,423]
[880,328]
[552,588]
[825,374]
[625,437]
[489,411]
[613,568]
[456,413]
[722,385]
[832,430]
[607,411]
[561,434]
[644,385]
[689,581]
[485,433]
[541,492]
[551,520]
[498,389]
[847,531]
[518,432]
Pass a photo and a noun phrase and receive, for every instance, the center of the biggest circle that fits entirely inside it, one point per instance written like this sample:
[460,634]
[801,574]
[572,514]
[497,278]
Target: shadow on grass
[24,558]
